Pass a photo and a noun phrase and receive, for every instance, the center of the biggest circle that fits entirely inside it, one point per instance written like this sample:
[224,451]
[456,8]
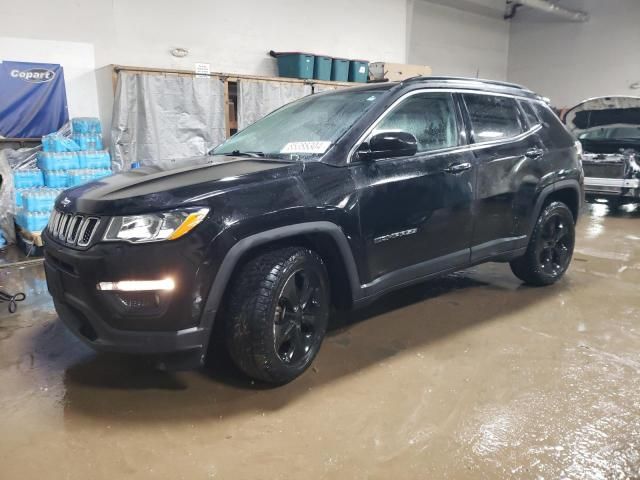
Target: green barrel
[295,64]
[322,68]
[340,70]
[358,71]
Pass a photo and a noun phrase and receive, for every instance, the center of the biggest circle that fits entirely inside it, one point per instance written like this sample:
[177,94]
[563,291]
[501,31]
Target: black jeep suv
[332,200]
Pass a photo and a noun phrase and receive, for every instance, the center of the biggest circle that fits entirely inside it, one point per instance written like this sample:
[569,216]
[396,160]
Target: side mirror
[388,145]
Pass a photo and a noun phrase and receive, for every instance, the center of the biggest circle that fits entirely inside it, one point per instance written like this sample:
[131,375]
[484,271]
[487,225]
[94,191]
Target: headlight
[154,227]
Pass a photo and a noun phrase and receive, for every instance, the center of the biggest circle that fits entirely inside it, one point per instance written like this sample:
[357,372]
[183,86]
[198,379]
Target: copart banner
[33,99]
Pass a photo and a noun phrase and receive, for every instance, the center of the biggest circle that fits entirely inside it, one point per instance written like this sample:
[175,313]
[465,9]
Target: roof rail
[467,79]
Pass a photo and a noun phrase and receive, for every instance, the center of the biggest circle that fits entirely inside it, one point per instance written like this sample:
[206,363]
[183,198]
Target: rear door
[416,212]
[508,151]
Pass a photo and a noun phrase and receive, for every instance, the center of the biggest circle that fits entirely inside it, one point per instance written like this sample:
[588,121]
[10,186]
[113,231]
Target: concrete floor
[470,376]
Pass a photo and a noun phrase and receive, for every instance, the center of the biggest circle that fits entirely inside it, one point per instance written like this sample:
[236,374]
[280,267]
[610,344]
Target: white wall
[233,37]
[562,60]
[459,42]
[569,62]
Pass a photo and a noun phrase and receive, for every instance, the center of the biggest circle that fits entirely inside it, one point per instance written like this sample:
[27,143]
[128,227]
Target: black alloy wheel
[550,248]
[301,302]
[554,246]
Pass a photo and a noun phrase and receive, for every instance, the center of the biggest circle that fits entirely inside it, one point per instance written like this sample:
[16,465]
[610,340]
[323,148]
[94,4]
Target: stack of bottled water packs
[62,163]
[34,207]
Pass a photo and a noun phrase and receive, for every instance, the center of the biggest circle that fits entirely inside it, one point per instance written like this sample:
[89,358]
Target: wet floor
[470,376]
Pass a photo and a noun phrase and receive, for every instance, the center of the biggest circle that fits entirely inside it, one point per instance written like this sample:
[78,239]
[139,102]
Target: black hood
[153,188]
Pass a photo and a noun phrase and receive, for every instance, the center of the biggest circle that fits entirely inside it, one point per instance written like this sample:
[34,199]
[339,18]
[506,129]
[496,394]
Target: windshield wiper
[264,157]
[238,153]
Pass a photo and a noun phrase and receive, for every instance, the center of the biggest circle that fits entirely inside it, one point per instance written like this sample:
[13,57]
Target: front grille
[72,229]
[604,170]
[87,230]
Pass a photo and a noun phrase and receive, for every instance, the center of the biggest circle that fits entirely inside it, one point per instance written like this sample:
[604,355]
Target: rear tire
[550,247]
[277,314]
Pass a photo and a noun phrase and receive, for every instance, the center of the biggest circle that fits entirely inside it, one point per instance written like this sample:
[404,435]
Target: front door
[416,212]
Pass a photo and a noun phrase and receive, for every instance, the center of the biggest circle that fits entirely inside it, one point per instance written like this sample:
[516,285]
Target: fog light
[166,284]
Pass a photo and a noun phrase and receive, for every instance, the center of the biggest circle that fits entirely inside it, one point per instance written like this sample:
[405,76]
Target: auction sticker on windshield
[306,147]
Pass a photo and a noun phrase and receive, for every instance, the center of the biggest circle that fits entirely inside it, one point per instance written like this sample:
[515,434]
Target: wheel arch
[566,191]
[326,238]
[569,196]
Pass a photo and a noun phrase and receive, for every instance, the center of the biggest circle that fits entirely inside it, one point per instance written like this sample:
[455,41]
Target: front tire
[550,247]
[277,314]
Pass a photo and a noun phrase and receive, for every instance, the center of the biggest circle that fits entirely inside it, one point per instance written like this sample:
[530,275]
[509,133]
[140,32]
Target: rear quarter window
[529,114]
[493,118]
[553,129]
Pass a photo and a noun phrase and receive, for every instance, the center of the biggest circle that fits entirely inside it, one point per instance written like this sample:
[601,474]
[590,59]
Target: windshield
[303,129]
[630,132]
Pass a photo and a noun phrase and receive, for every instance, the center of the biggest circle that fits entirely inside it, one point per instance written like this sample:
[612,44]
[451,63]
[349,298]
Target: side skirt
[496,248]
[502,250]
[413,274]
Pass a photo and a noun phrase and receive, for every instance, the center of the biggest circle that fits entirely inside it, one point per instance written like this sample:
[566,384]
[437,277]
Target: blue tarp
[33,99]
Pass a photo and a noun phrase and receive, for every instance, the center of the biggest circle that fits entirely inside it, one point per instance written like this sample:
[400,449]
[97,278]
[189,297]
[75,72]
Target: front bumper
[594,182]
[92,330]
[106,322]
[623,188]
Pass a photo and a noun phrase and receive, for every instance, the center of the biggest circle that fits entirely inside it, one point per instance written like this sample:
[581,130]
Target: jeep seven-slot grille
[72,229]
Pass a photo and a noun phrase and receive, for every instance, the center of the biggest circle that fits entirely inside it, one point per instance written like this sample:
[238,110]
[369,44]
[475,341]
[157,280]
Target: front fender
[240,248]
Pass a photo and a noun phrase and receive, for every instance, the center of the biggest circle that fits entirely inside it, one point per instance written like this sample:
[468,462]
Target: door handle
[457,167]
[534,153]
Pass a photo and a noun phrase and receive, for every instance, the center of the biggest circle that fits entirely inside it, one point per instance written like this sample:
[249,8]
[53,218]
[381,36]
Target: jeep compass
[330,201]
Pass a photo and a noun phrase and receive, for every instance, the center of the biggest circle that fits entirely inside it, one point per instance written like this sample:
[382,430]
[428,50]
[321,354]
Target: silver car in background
[609,130]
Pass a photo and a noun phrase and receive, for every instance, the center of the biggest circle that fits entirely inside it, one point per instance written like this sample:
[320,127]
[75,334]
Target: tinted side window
[493,118]
[529,113]
[430,117]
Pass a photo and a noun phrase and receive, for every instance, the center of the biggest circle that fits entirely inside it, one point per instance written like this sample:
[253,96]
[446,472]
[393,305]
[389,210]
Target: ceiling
[496,8]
